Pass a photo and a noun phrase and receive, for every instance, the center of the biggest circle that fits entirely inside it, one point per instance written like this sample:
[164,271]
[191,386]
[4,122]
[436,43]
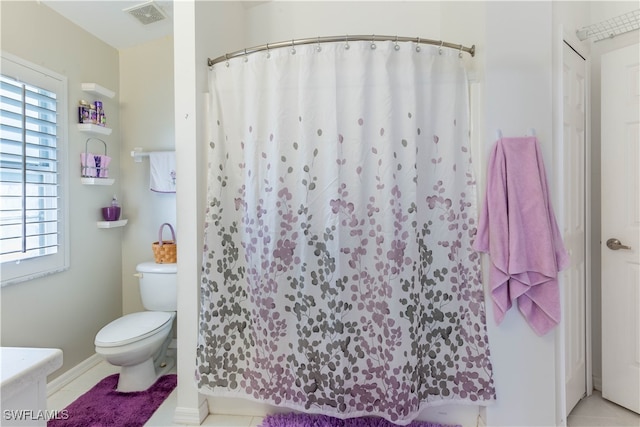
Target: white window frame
[12,272]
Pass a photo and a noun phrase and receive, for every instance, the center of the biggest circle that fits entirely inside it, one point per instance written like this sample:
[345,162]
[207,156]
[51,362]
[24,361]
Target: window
[33,214]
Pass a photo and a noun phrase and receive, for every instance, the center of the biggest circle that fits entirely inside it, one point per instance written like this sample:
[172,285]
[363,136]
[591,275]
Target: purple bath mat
[305,420]
[103,406]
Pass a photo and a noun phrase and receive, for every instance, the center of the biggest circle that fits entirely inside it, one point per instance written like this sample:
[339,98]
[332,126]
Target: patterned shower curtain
[338,275]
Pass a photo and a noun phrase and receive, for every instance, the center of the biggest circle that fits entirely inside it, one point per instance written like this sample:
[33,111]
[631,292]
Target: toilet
[138,342]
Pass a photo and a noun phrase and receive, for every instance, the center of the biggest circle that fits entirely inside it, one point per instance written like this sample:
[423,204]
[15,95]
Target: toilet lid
[132,327]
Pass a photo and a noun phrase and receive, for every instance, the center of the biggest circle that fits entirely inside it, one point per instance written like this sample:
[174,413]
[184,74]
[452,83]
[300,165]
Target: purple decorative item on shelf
[111,213]
[98,161]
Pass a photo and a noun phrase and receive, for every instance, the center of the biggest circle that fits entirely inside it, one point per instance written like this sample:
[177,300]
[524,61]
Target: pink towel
[518,229]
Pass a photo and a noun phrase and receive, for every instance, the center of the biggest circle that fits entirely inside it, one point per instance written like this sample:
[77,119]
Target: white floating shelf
[97,181]
[96,89]
[112,224]
[90,127]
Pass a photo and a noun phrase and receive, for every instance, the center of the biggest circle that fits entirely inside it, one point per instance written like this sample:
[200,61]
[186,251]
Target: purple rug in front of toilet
[103,406]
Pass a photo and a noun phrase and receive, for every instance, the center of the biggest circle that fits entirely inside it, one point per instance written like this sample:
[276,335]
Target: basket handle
[173,233]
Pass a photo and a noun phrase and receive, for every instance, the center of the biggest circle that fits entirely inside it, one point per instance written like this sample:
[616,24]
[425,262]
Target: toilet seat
[132,327]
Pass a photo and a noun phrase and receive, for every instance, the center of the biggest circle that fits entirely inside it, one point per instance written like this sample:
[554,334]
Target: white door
[574,83]
[620,157]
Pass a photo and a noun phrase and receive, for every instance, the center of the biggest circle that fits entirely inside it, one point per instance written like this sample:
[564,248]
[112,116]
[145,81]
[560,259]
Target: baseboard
[191,416]
[59,382]
[597,383]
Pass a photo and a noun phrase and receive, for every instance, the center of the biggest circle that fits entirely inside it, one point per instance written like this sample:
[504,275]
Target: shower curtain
[338,275]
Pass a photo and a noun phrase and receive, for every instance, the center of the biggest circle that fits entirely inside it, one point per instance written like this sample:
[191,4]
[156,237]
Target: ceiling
[107,20]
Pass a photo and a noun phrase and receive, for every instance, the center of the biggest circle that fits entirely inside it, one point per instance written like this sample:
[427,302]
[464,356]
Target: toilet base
[170,363]
[137,377]
[142,376]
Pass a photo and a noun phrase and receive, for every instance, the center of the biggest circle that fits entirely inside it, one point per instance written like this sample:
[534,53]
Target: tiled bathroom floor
[596,411]
[592,411]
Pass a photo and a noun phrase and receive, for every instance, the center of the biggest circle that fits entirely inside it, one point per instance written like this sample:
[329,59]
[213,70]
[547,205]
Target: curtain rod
[372,38]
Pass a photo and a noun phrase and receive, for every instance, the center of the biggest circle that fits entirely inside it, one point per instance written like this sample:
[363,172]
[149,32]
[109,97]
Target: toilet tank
[158,286]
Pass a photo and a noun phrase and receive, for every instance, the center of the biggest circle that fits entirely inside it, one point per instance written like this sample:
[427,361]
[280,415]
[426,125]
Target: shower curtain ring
[293,47]
[396,47]
[373,41]
[346,41]
[460,52]
[418,45]
[268,53]
[226,56]
[245,56]
[318,48]
[440,48]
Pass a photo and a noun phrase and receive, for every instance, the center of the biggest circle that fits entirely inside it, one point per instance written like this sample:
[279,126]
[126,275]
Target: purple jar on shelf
[111,213]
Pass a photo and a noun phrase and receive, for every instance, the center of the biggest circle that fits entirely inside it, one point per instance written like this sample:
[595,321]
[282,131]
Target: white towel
[162,167]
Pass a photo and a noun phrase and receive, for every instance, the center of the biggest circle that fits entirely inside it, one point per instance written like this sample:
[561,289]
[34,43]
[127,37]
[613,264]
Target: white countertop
[21,366]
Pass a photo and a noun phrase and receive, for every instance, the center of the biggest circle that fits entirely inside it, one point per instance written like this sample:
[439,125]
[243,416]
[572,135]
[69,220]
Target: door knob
[614,244]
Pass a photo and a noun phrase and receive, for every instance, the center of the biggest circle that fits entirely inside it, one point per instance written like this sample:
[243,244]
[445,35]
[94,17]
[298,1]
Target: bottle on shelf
[84,112]
[100,119]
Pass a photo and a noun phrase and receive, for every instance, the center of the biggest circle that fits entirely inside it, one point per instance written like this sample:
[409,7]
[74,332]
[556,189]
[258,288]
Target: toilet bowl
[138,342]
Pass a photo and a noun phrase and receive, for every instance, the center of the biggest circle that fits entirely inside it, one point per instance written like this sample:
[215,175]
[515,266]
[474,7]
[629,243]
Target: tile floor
[596,411]
[592,411]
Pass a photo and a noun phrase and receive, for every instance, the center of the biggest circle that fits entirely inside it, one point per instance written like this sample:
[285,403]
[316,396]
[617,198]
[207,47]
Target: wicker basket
[165,251]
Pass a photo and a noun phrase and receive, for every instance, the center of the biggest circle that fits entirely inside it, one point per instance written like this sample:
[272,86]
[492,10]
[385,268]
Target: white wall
[519,97]
[147,121]
[202,30]
[67,309]
[281,21]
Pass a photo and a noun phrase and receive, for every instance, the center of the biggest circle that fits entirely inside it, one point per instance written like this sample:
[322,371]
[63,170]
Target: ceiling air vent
[146,13]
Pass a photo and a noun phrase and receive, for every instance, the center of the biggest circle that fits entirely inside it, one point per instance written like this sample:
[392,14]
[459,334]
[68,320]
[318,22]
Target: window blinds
[28,171]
